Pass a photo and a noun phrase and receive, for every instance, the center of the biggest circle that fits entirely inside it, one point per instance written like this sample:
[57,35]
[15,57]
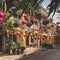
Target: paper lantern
[29,24]
[45,22]
[11,20]
[1,14]
[13,8]
[10,31]
[18,34]
[24,22]
[16,24]
[58,23]
[25,17]
[35,21]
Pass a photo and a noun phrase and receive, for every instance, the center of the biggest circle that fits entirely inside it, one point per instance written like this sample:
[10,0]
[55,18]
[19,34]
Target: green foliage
[53,6]
[57,37]
[11,45]
[34,4]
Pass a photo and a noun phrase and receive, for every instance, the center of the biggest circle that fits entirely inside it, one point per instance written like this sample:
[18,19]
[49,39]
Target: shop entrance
[0,42]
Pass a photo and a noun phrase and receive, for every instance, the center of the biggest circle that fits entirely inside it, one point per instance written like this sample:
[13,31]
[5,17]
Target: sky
[45,3]
[56,17]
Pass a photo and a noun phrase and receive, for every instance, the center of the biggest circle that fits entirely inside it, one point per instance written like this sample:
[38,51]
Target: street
[50,54]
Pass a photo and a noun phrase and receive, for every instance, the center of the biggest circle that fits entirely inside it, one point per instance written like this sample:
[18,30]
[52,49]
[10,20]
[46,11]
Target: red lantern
[24,22]
[18,34]
[1,14]
[25,17]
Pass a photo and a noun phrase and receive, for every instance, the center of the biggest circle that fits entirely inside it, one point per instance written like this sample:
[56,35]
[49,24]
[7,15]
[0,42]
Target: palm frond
[22,4]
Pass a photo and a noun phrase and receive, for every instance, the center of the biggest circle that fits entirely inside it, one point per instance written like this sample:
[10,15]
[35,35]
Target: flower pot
[22,50]
[10,52]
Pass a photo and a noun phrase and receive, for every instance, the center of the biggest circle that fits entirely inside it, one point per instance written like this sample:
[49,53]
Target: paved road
[50,54]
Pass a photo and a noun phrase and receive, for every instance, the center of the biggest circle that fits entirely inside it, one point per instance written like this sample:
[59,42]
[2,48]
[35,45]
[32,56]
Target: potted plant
[11,47]
[18,48]
[22,49]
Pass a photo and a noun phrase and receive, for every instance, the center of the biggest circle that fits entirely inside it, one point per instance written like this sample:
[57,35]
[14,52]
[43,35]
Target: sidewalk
[15,57]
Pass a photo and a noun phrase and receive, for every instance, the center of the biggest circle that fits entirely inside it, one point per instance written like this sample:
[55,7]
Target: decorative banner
[1,14]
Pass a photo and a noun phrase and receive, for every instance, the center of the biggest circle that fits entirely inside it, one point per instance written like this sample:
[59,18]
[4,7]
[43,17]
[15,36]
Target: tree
[51,7]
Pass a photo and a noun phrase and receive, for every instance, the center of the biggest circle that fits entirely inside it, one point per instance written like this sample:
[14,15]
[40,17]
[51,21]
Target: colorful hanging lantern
[29,24]
[25,17]
[1,14]
[18,34]
[11,20]
[35,21]
[10,31]
[45,22]
[16,24]
[24,22]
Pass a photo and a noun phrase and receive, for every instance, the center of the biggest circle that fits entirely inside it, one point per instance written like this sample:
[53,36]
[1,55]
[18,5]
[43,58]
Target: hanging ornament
[24,22]
[11,20]
[58,23]
[35,21]
[45,22]
[18,34]
[16,24]
[10,31]
[29,24]
[1,14]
